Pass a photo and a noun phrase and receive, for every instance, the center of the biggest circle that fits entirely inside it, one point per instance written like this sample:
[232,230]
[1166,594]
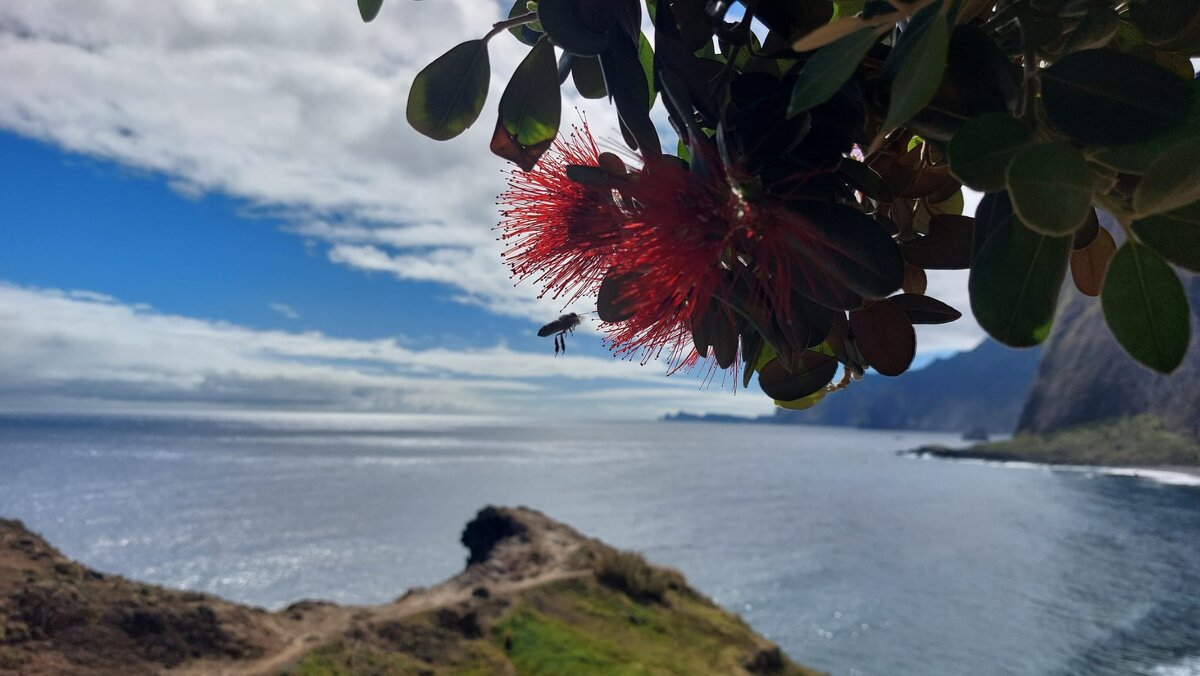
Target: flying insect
[559,328]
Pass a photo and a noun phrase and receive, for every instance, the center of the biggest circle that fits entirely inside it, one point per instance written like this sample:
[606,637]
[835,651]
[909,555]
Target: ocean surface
[855,560]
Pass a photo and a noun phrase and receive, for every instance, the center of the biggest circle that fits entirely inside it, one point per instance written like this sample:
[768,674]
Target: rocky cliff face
[1085,376]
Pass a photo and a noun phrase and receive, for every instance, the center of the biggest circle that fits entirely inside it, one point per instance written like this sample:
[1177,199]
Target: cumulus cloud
[81,348]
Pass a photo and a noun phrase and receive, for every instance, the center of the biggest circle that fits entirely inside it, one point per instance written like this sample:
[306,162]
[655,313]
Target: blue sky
[220,204]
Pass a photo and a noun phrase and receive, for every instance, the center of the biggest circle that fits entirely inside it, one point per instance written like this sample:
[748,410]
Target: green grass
[1140,441]
[580,627]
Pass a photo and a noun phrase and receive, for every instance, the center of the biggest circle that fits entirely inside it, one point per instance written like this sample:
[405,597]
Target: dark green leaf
[1015,278]
[853,250]
[1104,97]
[752,349]
[611,304]
[865,180]
[885,337]
[921,309]
[947,245]
[1098,28]
[921,62]
[1135,158]
[369,9]
[829,68]
[1172,182]
[625,80]
[1146,308]
[1174,235]
[589,80]
[1051,188]
[575,28]
[812,372]
[1089,264]
[448,94]
[529,109]
[981,150]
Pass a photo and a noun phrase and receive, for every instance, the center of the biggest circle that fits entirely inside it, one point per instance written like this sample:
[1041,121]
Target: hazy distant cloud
[91,349]
[285,310]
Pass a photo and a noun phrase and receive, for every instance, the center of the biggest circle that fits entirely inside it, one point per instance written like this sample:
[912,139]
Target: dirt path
[324,623]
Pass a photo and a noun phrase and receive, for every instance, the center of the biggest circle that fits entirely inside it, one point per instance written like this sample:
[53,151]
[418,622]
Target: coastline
[1172,475]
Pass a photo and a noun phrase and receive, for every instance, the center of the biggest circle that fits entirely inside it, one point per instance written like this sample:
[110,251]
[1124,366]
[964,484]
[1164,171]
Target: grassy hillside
[1140,441]
[537,598]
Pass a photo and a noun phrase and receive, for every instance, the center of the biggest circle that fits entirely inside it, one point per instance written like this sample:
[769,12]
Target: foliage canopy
[823,146]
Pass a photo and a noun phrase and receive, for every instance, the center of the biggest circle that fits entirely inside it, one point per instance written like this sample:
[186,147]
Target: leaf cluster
[1079,119]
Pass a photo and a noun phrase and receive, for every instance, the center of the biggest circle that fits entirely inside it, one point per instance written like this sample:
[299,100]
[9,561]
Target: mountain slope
[984,387]
[1086,377]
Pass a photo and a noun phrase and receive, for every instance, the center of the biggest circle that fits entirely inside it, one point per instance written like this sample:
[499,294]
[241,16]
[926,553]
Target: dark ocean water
[855,560]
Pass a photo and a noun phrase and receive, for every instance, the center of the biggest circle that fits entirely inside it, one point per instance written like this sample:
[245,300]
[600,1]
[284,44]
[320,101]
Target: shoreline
[1171,475]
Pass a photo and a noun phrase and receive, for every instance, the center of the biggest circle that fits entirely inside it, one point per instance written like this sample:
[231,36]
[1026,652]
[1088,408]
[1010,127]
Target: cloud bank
[76,349]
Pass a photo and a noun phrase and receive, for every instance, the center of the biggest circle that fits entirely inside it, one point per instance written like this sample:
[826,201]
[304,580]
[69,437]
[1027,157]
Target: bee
[559,328]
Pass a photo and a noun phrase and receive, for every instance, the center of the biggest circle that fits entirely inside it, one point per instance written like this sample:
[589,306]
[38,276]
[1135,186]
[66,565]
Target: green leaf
[625,80]
[1051,188]
[1098,28]
[1015,278]
[448,94]
[526,33]
[921,59]
[369,9]
[921,309]
[574,32]
[982,148]
[529,108]
[829,68]
[811,373]
[803,402]
[1145,307]
[589,80]
[1174,235]
[646,57]
[1104,97]
[1172,182]
[947,245]
[853,251]
[1135,158]
[885,337]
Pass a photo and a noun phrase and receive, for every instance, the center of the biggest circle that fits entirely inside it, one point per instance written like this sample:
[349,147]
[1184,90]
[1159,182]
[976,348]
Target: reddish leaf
[923,309]
[885,336]
[946,247]
[1089,264]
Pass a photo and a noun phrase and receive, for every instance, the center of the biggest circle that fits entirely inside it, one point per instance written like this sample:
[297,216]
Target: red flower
[560,232]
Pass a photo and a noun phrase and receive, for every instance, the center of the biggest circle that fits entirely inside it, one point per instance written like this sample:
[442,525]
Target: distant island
[536,598]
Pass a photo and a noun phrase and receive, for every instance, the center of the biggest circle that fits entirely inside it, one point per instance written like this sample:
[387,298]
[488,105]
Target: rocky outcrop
[1085,376]
[535,597]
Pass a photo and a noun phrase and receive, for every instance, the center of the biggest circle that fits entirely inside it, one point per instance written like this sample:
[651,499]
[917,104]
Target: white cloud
[297,107]
[284,309]
[83,348]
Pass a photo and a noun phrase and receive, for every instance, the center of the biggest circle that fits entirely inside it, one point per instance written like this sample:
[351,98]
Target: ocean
[854,559]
